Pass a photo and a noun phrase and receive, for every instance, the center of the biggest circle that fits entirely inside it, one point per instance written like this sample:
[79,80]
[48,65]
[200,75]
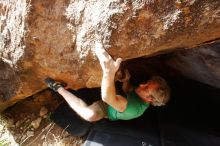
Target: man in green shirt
[155,91]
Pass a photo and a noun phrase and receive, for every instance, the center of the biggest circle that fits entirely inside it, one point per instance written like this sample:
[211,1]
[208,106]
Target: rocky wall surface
[56,38]
[202,64]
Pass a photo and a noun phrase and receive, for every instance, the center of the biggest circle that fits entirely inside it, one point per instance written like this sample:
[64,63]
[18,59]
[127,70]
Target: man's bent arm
[110,67]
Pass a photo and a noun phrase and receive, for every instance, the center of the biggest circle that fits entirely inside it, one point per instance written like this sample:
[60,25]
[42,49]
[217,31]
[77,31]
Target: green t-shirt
[135,108]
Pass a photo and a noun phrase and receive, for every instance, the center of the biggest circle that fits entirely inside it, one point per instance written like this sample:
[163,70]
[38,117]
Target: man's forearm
[108,87]
[109,96]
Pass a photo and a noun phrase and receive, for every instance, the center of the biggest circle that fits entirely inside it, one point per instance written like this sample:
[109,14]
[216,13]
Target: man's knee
[95,112]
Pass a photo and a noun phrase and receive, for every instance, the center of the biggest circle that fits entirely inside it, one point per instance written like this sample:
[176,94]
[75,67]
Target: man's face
[145,90]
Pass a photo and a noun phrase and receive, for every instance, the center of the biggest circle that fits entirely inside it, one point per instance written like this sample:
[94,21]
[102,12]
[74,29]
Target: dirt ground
[28,123]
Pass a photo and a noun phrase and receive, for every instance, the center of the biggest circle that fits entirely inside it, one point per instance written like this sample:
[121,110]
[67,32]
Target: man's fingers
[101,52]
[103,55]
[98,47]
[118,62]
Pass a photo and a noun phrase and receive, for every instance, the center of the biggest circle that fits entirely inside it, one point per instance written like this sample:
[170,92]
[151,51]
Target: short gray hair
[162,94]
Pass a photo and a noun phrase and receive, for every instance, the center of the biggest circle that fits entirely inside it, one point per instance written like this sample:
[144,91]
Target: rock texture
[202,64]
[56,38]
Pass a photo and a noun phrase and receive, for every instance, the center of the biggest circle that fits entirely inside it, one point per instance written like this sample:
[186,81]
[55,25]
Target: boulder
[201,64]
[56,38]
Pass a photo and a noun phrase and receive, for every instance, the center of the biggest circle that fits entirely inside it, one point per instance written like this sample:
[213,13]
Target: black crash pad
[190,119]
[70,121]
[124,133]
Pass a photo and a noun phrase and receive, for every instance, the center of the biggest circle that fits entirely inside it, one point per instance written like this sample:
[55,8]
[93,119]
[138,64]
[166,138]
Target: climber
[154,91]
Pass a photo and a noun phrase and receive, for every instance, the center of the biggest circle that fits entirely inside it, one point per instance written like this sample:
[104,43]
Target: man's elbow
[94,116]
[106,99]
[121,109]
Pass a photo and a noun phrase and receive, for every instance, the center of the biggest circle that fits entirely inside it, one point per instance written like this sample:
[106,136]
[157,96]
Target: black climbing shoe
[54,85]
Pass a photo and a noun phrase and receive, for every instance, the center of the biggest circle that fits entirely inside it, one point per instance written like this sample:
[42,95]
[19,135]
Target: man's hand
[109,66]
[123,75]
